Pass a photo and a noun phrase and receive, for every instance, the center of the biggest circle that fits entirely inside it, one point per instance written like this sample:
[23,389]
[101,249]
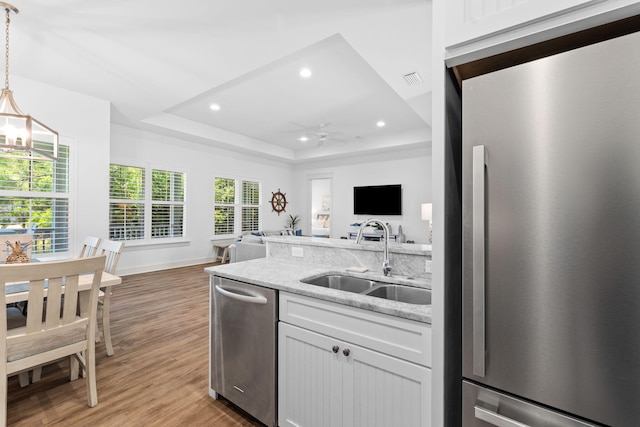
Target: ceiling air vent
[413,78]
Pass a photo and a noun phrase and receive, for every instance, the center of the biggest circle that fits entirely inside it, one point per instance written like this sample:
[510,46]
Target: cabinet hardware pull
[335,348]
[346,352]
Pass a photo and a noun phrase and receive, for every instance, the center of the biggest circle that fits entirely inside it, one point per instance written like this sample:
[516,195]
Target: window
[145,202]
[236,206]
[167,204]
[34,198]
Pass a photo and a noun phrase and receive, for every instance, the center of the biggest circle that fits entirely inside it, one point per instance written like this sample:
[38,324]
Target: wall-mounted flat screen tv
[377,200]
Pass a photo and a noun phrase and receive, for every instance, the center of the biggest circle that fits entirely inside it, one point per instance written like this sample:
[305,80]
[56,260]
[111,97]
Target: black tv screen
[377,200]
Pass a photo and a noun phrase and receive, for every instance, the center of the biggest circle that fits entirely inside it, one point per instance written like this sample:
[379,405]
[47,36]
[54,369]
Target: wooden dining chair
[90,246]
[64,332]
[112,250]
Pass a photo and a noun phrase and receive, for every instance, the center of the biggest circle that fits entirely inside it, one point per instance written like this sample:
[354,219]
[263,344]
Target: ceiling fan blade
[310,129]
[344,141]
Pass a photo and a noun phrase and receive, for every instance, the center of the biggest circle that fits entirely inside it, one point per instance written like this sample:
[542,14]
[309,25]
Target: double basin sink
[373,288]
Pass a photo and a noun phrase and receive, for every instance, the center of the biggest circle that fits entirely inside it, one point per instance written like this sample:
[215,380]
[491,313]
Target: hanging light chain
[6,51]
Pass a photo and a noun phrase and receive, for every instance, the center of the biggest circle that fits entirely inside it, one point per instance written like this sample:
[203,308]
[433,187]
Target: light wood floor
[159,373]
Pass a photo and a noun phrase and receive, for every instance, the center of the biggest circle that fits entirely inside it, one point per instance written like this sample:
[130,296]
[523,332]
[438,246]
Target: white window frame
[237,205]
[147,202]
[63,247]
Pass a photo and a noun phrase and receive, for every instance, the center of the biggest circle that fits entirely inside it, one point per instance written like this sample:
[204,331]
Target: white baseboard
[163,266]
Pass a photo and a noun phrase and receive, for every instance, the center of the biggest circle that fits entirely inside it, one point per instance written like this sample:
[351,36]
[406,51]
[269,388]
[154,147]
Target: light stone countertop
[285,275]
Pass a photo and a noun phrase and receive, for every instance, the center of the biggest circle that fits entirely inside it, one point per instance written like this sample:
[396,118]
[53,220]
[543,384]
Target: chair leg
[98,339]
[4,386]
[74,367]
[90,369]
[106,326]
[36,374]
[24,378]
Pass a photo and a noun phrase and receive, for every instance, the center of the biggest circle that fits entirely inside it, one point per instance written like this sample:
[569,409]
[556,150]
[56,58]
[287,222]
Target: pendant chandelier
[20,134]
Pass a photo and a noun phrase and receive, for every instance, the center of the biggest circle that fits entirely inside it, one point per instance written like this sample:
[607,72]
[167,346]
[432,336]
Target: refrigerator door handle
[496,419]
[478,255]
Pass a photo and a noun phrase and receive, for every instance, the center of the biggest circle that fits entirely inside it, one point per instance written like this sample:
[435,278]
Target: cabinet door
[469,20]
[309,378]
[381,390]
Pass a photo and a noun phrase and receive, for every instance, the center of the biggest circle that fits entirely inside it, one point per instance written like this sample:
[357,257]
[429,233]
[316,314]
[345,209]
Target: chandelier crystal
[20,134]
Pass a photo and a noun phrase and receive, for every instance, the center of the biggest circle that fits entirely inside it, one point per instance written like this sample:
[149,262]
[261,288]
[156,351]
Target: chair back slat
[70,309]
[36,305]
[90,246]
[112,249]
[54,299]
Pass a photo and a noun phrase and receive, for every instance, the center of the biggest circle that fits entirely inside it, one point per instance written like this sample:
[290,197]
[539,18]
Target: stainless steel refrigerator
[551,240]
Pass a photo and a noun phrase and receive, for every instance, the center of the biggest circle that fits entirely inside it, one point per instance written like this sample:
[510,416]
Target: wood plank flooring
[159,373]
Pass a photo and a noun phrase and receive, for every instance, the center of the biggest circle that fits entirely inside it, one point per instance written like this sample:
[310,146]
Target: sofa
[251,246]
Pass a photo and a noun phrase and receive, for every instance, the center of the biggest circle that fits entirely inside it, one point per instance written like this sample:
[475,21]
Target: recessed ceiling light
[215,107]
[303,139]
[380,124]
[305,72]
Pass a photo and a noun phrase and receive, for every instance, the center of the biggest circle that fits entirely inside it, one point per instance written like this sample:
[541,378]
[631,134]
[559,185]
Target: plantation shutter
[34,199]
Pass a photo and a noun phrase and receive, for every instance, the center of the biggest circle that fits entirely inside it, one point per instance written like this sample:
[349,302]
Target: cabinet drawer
[402,338]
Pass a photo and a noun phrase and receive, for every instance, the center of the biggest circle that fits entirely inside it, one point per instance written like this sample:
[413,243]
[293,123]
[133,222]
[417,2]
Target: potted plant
[292,222]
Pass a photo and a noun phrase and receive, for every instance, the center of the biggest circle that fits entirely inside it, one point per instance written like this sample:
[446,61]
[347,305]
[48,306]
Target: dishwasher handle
[253,299]
[496,419]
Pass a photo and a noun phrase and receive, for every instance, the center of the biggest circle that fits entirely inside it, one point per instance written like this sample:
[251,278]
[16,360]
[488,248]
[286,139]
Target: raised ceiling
[161,64]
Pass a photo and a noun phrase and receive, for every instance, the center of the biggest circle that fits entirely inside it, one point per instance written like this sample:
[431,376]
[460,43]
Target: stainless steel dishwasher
[243,346]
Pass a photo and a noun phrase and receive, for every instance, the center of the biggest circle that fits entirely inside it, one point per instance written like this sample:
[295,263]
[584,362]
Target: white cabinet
[325,380]
[309,379]
[479,28]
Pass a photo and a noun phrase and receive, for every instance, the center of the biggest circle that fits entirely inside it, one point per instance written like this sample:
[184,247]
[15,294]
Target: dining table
[16,292]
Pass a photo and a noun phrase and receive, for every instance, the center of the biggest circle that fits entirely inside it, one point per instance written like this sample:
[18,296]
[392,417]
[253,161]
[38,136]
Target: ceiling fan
[323,137]
[319,134]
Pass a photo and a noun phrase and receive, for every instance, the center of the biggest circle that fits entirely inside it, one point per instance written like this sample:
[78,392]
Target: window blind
[34,198]
[146,203]
[167,207]
[250,206]
[126,204]
[236,206]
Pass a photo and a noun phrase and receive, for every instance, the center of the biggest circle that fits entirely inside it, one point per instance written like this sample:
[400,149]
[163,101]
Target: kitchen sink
[401,293]
[373,288]
[343,283]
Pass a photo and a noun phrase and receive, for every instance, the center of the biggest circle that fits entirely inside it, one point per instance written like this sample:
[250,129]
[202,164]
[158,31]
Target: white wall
[85,123]
[201,165]
[411,169]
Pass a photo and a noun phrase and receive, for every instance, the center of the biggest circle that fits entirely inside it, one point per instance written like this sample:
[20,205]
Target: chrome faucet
[386,267]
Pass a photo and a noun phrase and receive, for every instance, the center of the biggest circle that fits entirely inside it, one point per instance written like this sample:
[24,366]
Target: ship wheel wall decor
[278,201]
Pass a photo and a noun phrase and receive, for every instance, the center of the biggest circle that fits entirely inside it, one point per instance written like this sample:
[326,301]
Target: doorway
[320,206]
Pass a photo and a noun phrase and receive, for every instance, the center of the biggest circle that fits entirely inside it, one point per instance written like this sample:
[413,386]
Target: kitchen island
[281,271]
[343,358]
